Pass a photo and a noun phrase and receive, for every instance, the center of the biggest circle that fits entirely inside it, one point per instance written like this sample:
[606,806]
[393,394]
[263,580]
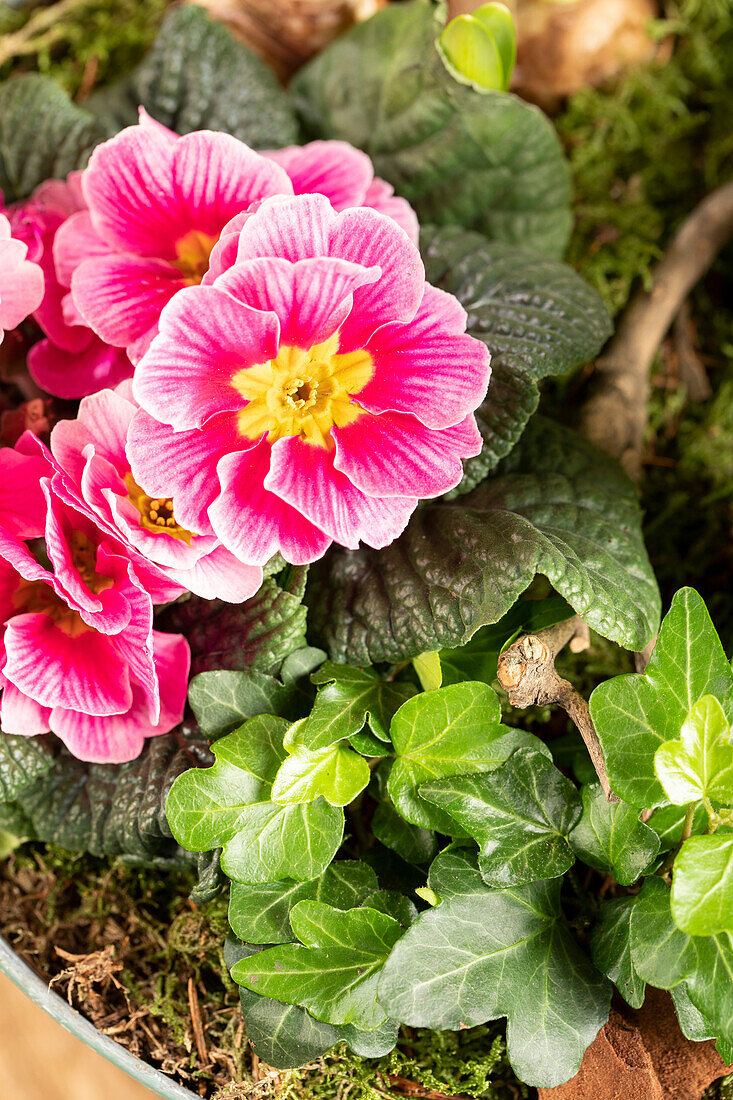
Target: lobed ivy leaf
[414,844]
[557,507]
[693,1024]
[347,699]
[22,761]
[486,161]
[698,766]
[668,822]
[334,970]
[336,773]
[484,953]
[537,316]
[261,914]
[610,837]
[634,714]
[229,806]
[520,815]
[702,885]
[610,948]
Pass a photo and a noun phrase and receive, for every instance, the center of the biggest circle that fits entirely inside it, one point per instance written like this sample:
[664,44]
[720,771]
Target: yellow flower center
[84,557]
[37,596]
[192,255]
[303,392]
[156,513]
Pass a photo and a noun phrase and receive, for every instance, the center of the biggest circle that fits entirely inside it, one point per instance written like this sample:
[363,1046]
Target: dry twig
[527,674]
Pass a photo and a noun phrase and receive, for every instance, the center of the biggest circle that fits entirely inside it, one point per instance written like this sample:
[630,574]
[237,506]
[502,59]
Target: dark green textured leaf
[635,714]
[557,507]
[536,316]
[520,814]
[22,760]
[484,953]
[610,837]
[42,134]
[198,77]
[348,698]
[486,161]
[610,949]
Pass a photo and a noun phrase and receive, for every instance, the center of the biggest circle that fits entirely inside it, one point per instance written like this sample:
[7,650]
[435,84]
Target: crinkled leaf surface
[334,970]
[702,885]
[347,699]
[486,161]
[520,814]
[336,773]
[610,837]
[484,953]
[198,77]
[22,761]
[610,948]
[636,713]
[42,134]
[537,316]
[557,507]
[700,764]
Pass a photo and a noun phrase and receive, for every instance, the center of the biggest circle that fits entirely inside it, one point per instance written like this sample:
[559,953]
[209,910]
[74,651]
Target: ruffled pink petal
[305,477]
[255,524]
[380,196]
[224,253]
[205,338]
[19,714]
[144,119]
[9,584]
[75,241]
[429,367]
[134,645]
[311,298]
[21,280]
[71,374]
[102,422]
[331,168]
[79,673]
[22,503]
[218,575]
[293,228]
[393,455]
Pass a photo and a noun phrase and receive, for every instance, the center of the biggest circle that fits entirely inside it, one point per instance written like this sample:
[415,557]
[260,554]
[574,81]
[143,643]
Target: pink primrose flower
[21,280]
[313,392]
[78,653]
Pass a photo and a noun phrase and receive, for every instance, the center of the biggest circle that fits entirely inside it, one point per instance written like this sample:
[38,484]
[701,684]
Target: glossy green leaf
[411,842]
[349,697]
[520,815]
[693,1024]
[610,837]
[558,507]
[635,714]
[334,970]
[428,670]
[610,948]
[499,22]
[700,764]
[472,54]
[702,885]
[336,773]
[668,822]
[484,953]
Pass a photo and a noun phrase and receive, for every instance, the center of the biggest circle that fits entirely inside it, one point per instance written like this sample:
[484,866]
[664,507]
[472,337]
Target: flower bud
[481,48]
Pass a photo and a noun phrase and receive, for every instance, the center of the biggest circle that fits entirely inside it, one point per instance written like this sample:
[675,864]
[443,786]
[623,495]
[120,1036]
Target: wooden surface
[41,1061]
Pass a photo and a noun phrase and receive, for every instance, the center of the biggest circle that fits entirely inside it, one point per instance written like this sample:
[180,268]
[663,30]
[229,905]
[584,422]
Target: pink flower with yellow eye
[21,280]
[319,387]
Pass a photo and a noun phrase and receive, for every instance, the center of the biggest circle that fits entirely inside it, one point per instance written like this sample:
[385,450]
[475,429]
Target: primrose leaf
[484,160]
[537,316]
[700,765]
[445,732]
[261,914]
[347,699]
[557,507]
[335,772]
[22,761]
[43,134]
[333,971]
[636,713]
[229,805]
[610,948]
[484,953]
[702,885]
[610,837]
[520,815]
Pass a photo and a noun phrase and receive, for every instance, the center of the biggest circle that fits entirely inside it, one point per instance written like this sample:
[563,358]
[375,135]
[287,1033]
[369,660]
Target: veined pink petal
[22,504]
[224,253]
[20,714]
[293,228]
[205,338]
[21,280]
[305,477]
[331,168]
[102,421]
[381,197]
[219,575]
[75,241]
[254,523]
[311,298]
[72,374]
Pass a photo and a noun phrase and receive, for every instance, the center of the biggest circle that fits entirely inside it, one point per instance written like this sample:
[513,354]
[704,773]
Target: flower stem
[687,825]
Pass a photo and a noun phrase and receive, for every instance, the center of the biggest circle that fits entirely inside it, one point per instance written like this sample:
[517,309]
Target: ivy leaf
[700,765]
[336,773]
[520,815]
[635,714]
[349,698]
[198,77]
[610,949]
[414,844]
[43,134]
[22,761]
[486,160]
[445,732]
[537,316]
[668,823]
[702,885]
[610,837]
[261,914]
[484,953]
[693,1024]
[334,970]
[229,806]
[557,507]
